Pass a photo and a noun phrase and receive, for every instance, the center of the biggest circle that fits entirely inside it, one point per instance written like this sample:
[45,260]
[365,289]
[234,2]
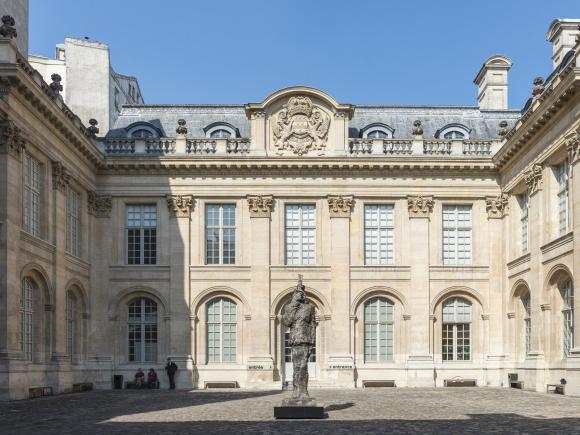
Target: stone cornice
[496,207]
[420,206]
[260,205]
[180,206]
[340,205]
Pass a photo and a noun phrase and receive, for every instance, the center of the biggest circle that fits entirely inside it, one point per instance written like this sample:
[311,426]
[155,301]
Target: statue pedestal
[299,408]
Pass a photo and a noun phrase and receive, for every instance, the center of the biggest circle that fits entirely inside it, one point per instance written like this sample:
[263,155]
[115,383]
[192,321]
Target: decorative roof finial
[417,129]
[181,128]
[93,129]
[7,28]
[538,86]
[55,85]
[503,128]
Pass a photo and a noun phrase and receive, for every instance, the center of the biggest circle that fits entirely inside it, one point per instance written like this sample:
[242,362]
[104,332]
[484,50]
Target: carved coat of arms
[300,127]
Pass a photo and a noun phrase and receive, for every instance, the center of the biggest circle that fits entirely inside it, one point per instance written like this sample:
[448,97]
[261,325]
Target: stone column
[178,315]
[340,358]
[261,362]
[420,359]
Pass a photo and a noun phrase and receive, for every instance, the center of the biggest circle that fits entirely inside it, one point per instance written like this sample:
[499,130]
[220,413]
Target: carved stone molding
[180,205]
[55,84]
[511,315]
[417,128]
[545,307]
[420,206]
[260,205]
[99,205]
[7,30]
[496,206]
[181,128]
[60,176]
[258,115]
[11,139]
[533,177]
[300,127]
[573,147]
[93,130]
[340,205]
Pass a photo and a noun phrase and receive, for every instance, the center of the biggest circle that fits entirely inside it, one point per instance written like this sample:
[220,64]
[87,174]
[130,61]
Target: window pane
[300,234]
[141,234]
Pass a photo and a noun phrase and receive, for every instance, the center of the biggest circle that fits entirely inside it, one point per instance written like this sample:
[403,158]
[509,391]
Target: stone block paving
[382,410]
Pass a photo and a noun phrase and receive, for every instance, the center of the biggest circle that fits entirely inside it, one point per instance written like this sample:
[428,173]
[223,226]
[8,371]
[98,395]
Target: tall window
[32,195]
[563,212]
[142,330]
[456,330]
[527,322]
[71,308]
[141,234]
[457,234]
[27,295]
[567,292]
[379,235]
[379,325]
[221,330]
[220,234]
[300,234]
[524,220]
[72,221]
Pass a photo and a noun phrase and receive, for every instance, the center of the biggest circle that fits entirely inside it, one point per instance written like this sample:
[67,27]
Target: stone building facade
[436,243]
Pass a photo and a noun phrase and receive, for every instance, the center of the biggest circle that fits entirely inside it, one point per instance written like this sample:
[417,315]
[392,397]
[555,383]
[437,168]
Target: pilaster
[573,148]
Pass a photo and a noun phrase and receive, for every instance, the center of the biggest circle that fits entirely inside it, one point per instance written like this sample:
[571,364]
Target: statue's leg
[303,382]
[296,373]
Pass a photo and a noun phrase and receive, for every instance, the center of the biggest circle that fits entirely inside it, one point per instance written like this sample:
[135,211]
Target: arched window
[221,130]
[142,330]
[220,134]
[527,322]
[71,324]
[141,134]
[141,130]
[28,293]
[377,134]
[453,132]
[378,335]
[567,292]
[221,331]
[377,131]
[456,336]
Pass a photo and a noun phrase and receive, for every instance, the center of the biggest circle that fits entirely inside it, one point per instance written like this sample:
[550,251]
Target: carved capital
[99,205]
[258,115]
[496,206]
[11,139]
[533,177]
[260,205]
[340,205]
[180,205]
[573,146]
[420,206]
[60,176]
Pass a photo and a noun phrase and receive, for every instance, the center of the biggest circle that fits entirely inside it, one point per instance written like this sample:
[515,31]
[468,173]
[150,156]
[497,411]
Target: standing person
[171,368]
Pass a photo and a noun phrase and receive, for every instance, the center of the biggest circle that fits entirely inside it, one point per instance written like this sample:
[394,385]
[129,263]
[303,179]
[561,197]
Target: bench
[221,384]
[82,386]
[555,388]
[460,383]
[368,383]
[132,385]
[517,384]
[39,391]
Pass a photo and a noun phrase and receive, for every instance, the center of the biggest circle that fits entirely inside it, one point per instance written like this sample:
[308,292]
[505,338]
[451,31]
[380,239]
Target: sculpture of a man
[299,316]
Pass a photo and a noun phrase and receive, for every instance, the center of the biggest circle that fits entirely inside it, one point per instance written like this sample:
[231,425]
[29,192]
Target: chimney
[492,83]
[562,34]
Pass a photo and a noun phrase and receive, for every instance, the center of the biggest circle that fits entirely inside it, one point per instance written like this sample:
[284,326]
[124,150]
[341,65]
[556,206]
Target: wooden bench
[460,383]
[221,384]
[39,391]
[132,385]
[376,383]
[517,384]
[555,388]
[82,386]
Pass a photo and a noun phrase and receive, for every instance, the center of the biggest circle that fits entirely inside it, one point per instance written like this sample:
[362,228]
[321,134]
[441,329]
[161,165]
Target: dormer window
[221,130]
[377,131]
[453,132]
[142,131]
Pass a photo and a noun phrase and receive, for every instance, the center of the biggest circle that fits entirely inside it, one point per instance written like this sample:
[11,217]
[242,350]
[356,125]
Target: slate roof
[482,124]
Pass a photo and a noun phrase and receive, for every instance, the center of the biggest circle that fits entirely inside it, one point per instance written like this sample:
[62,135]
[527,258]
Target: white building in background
[91,87]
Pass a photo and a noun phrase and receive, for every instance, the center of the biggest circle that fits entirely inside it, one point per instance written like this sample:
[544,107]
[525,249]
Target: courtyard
[396,410]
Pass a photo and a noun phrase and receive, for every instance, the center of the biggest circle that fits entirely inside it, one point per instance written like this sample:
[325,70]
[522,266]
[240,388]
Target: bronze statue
[299,315]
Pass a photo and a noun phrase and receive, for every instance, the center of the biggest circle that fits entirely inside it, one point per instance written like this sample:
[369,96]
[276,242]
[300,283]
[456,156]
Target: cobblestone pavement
[392,410]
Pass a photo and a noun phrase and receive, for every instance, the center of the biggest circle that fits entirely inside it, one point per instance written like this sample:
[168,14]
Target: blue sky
[360,52]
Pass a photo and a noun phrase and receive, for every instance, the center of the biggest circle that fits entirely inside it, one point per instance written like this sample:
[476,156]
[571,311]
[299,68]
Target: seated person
[152,378]
[139,378]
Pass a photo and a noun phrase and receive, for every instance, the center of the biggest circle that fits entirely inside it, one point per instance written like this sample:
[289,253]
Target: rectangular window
[456,332]
[563,207]
[141,234]
[70,324]
[72,221]
[524,220]
[32,196]
[378,333]
[26,316]
[379,235]
[456,234]
[300,235]
[220,234]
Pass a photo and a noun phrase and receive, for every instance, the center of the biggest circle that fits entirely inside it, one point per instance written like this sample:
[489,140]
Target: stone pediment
[300,121]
